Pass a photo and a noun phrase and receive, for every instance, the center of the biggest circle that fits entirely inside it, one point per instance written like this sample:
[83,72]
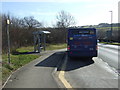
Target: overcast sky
[86,12]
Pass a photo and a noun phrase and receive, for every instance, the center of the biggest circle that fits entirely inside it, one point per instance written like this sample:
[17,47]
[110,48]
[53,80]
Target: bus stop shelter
[40,40]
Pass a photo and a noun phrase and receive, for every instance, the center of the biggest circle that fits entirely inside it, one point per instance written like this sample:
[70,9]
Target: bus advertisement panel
[82,42]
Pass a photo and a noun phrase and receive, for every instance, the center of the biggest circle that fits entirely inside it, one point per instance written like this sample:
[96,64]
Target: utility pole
[111,25]
[8,23]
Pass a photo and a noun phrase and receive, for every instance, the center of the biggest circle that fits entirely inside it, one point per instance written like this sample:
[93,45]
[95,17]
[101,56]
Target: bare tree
[64,19]
[30,22]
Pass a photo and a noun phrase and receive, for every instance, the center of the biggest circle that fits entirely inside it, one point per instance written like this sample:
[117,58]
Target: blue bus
[82,42]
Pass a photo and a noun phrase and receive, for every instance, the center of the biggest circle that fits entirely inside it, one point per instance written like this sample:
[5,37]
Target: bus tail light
[68,47]
[70,52]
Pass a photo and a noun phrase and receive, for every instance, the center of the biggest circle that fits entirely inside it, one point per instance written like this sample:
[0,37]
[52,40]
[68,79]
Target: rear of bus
[82,42]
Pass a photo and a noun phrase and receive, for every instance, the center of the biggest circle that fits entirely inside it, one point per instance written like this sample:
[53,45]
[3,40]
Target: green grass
[21,59]
[111,43]
[108,28]
[0,74]
[25,49]
[16,61]
[56,46]
[48,47]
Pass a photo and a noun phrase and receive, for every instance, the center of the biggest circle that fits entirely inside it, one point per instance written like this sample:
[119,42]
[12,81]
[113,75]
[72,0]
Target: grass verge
[55,46]
[16,62]
[111,43]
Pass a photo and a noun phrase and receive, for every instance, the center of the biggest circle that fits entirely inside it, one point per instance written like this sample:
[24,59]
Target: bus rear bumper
[82,54]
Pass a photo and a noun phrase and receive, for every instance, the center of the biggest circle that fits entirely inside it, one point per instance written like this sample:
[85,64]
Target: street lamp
[8,23]
[111,23]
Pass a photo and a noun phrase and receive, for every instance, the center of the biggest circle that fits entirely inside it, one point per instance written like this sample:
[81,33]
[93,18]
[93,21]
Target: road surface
[90,73]
[110,54]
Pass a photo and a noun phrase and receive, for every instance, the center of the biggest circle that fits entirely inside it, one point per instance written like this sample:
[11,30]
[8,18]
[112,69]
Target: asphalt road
[110,55]
[90,73]
[38,73]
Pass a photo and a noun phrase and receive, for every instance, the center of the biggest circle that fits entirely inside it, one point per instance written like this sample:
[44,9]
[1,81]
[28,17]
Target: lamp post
[111,24]
[8,23]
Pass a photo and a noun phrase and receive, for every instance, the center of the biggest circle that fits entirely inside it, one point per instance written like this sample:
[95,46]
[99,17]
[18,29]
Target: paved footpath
[38,73]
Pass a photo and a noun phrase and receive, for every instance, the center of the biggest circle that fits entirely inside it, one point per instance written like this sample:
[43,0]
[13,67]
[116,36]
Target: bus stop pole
[39,49]
[44,42]
[34,43]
